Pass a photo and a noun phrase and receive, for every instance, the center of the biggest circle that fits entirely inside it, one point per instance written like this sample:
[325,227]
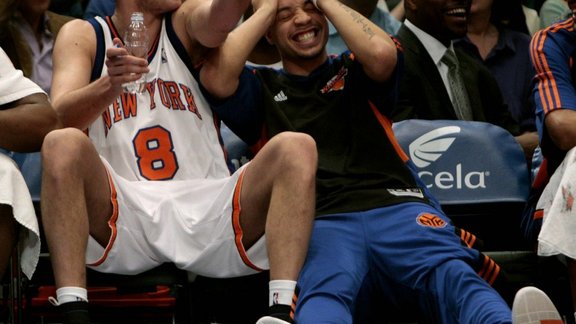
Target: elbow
[560,128]
[382,62]
[216,84]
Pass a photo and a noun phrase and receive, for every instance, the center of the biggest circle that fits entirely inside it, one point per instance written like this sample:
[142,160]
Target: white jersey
[166,133]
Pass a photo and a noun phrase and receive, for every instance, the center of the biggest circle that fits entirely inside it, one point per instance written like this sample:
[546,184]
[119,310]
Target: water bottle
[136,42]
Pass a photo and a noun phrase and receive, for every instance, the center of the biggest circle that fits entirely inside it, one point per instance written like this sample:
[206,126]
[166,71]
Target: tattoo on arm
[359,19]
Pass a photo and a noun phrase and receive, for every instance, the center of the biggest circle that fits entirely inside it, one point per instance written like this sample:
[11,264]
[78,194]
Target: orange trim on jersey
[542,177]
[255,148]
[397,43]
[236,209]
[538,214]
[293,305]
[111,222]
[547,87]
[539,62]
[116,34]
[387,125]
[490,270]
[468,238]
[112,28]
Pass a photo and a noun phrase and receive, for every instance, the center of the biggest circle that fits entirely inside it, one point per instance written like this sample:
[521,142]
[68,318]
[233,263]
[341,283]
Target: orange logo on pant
[430,220]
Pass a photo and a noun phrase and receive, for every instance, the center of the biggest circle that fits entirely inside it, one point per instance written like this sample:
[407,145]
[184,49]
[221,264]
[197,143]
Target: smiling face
[300,31]
[443,19]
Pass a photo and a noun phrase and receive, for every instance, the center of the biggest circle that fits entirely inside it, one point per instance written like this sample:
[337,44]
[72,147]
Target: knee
[296,151]
[64,147]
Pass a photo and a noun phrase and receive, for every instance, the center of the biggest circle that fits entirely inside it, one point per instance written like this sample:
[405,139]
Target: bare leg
[278,196]
[75,202]
[8,227]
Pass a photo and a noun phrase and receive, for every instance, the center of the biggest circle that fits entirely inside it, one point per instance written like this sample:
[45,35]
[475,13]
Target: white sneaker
[271,320]
[532,306]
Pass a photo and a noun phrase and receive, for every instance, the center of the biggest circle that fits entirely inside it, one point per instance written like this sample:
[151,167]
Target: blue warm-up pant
[409,245]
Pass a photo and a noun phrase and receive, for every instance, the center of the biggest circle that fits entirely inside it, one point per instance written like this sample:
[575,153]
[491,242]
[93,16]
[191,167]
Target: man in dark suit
[426,35]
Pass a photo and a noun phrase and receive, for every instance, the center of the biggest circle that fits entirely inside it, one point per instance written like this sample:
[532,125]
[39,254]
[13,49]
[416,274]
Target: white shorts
[558,203]
[194,224]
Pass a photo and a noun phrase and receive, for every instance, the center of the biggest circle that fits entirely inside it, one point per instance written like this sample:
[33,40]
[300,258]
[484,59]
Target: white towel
[558,201]
[14,192]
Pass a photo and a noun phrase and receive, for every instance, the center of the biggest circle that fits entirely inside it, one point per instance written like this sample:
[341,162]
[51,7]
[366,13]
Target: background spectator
[493,41]
[553,11]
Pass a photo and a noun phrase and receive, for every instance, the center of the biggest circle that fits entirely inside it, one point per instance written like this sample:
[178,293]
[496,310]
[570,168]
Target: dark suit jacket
[424,96]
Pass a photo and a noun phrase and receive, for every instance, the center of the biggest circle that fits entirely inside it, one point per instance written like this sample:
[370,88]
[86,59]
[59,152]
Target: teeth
[305,37]
[457,11]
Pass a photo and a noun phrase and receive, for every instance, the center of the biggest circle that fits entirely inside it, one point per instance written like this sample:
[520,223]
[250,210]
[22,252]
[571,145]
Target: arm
[78,101]
[373,48]
[220,73]
[555,93]
[561,127]
[209,22]
[25,122]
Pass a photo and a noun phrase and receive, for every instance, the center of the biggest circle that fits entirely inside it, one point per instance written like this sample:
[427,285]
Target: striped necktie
[460,99]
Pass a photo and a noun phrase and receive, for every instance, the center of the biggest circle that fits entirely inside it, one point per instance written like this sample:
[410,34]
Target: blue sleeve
[551,53]
[242,112]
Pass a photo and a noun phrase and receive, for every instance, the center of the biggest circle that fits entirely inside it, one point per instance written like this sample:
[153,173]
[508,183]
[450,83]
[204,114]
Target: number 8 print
[155,152]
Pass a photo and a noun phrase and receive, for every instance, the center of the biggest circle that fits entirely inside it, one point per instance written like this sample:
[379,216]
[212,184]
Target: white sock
[281,291]
[71,294]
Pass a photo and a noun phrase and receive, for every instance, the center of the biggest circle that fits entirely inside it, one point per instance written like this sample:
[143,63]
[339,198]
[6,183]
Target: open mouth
[457,12]
[305,36]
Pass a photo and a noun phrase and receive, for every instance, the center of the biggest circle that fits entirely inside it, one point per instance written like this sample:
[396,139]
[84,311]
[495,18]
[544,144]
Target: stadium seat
[478,173]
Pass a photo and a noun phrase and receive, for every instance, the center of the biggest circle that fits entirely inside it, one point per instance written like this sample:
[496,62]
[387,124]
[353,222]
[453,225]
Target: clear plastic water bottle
[136,42]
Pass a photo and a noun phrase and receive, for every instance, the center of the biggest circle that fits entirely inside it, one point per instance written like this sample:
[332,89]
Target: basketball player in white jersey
[137,180]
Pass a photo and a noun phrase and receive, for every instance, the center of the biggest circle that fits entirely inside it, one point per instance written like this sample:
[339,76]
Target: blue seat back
[466,162]
[31,167]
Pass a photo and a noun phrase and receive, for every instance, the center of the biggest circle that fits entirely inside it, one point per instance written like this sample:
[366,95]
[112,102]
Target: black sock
[75,312]
[282,312]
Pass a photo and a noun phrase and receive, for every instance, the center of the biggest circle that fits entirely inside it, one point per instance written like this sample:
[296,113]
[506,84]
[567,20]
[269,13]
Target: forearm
[80,107]
[22,129]
[560,126]
[221,71]
[212,21]
[372,47]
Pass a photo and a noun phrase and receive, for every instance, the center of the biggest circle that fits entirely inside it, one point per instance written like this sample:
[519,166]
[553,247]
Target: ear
[269,38]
